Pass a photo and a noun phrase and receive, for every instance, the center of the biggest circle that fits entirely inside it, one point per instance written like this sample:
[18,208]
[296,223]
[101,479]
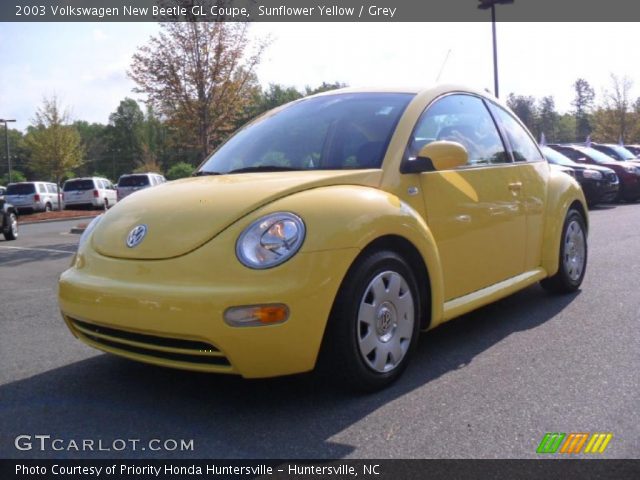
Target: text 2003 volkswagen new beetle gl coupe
[329,230]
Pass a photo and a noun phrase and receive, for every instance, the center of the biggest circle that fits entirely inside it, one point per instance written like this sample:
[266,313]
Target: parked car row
[92,192]
[606,172]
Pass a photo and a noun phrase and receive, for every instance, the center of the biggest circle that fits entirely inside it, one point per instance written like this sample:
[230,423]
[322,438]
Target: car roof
[141,173]
[435,89]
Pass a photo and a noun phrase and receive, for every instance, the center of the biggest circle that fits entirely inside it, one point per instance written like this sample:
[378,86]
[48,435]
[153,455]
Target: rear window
[21,189]
[73,185]
[134,181]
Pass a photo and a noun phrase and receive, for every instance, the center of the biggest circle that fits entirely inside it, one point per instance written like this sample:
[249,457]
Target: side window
[463,119]
[523,147]
[41,188]
[51,188]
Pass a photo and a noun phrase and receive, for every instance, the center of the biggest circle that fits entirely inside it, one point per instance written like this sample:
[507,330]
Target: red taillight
[36,198]
[96,194]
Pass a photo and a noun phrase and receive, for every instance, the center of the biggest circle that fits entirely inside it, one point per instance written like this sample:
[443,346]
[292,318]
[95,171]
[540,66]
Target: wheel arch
[365,218]
[410,253]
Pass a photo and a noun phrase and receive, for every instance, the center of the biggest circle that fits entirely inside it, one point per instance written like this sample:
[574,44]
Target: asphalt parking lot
[487,385]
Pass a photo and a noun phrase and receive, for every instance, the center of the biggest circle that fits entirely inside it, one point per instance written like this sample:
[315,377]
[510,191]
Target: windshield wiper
[203,173]
[263,168]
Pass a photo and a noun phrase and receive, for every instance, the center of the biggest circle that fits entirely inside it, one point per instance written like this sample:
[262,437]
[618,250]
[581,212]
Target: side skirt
[479,298]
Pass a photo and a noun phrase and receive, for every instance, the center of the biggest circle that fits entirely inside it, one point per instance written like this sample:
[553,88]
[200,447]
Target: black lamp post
[6,140]
[484,5]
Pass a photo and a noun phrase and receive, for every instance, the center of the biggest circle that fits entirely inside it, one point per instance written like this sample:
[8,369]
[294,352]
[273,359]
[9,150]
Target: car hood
[181,216]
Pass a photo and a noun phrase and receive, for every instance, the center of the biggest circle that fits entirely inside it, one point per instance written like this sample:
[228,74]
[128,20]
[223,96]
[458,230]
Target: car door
[475,211]
[534,171]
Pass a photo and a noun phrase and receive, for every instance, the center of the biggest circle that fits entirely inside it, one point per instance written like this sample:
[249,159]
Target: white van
[93,192]
[132,182]
[32,196]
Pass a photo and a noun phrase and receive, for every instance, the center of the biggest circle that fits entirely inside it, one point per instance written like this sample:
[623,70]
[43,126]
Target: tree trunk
[59,194]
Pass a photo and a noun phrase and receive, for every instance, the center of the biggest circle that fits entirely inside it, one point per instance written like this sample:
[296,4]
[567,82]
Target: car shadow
[604,206]
[15,257]
[228,417]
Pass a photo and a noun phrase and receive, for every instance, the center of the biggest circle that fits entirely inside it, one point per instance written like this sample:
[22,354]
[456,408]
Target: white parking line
[38,249]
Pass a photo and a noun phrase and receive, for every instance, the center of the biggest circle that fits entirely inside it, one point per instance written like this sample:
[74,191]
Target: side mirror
[440,155]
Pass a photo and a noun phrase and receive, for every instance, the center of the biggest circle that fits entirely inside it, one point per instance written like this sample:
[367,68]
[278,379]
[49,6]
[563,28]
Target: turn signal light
[256,315]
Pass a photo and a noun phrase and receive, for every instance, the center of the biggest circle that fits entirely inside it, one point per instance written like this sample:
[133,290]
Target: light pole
[484,5]
[6,141]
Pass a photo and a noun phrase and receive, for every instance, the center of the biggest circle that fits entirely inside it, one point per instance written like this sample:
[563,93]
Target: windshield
[73,185]
[623,152]
[556,157]
[21,189]
[596,155]
[342,131]
[133,181]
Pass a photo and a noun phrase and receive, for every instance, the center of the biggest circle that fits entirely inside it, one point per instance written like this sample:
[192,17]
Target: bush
[16,176]
[180,170]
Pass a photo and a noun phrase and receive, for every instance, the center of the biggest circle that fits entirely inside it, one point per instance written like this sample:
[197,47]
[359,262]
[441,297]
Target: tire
[374,323]
[11,231]
[106,204]
[573,256]
[47,207]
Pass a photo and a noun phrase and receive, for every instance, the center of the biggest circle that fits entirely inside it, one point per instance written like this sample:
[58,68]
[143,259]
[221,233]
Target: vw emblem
[136,235]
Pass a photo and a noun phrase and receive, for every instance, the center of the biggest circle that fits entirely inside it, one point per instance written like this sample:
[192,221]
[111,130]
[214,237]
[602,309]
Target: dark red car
[628,172]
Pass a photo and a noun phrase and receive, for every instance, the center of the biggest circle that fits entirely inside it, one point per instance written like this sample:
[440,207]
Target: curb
[54,220]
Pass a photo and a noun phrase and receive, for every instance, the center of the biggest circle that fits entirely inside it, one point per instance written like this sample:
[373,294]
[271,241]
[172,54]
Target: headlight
[89,229]
[270,240]
[592,174]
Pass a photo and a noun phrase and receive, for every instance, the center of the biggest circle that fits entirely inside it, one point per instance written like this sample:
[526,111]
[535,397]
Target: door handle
[515,187]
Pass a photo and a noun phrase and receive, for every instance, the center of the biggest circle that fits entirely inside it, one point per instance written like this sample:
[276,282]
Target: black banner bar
[316,11]
[314,469]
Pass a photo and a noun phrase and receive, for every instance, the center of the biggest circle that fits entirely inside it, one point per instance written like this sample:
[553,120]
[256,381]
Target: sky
[85,64]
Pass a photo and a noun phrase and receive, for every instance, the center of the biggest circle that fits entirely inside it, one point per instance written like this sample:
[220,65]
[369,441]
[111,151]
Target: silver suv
[95,192]
[33,196]
[132,182]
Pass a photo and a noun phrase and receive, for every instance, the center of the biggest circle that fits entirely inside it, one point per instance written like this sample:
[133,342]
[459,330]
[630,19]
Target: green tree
[548,118]
[324,87]
[566,128]
[95,143]
[583,103]
[54,144]
[16,176]
[180,170]
[124,135]
[200,77]
[525,108]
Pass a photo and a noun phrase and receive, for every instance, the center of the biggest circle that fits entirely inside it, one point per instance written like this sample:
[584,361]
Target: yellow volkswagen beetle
[331,230]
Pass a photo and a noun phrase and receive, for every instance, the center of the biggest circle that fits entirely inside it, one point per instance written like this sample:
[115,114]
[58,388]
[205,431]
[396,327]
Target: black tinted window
[134,181]
[73,185]
[21,189]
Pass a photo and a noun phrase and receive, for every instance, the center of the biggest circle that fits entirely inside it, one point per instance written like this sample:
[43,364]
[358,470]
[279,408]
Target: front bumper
[170,312]
[598,191]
